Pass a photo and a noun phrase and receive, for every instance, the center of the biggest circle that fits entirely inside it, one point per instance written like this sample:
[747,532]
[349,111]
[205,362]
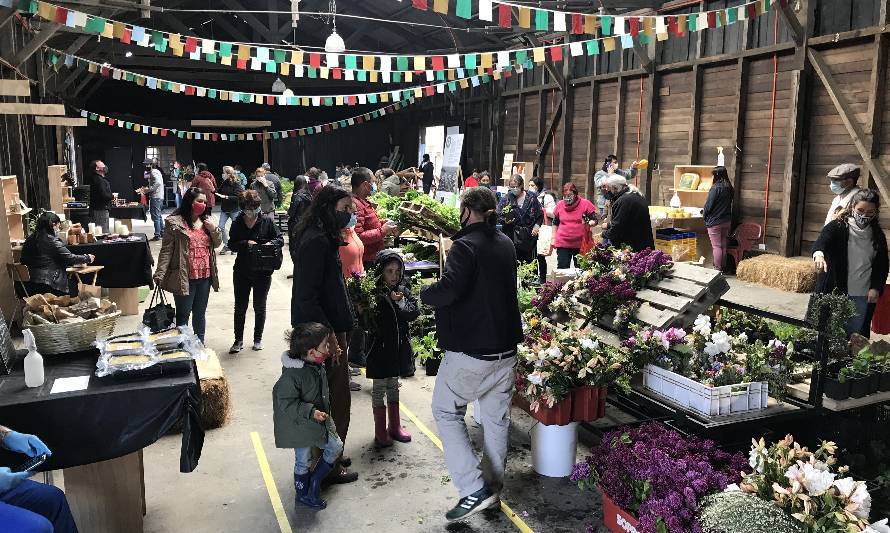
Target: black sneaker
[478,501]
[236,348]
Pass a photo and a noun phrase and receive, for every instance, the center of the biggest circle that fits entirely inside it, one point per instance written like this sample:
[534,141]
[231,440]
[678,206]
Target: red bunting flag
[61,15]
[191,44]
[360,120]
[104,72]
[164,132]
[556,53]
[241,64]
[505,18]
[112,121]
[577,24]
[752,11]
[634,26]
[189,90]
[429,90]
[337,73]
[270,100]
[420,4]
[314,60]
[712,19]
[672,25]
[127,35]
[352,100]
[438,63]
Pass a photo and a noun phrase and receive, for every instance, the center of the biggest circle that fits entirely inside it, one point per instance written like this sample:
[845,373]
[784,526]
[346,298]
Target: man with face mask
[155,193]
[629,224]
[842,180]
[368,227]
[479,327]
[100,194]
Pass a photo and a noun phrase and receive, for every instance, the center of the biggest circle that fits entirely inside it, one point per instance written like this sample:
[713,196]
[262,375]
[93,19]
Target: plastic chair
[746,236]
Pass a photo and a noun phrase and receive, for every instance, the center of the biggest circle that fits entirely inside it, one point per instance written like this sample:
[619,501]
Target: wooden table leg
[127,300]
[107,497]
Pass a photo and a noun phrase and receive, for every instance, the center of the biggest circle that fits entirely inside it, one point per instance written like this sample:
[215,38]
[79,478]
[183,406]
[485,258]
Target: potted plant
[428,354]
[858,374]
[655,477]
[807,485]
[836,386]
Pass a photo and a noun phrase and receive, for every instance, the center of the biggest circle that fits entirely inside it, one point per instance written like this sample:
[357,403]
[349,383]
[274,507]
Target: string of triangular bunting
[390,68]
[328,127]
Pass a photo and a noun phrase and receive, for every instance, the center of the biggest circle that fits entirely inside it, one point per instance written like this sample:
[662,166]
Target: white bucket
[554,449]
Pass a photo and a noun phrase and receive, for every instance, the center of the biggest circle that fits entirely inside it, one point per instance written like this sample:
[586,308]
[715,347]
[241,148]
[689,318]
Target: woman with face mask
[187,261]
[571,217]
[319,295]
[521,216]
[851,257]
[250,229]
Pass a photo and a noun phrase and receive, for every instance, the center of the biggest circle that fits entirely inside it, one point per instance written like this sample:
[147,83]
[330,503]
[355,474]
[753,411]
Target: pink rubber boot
[381,436]
[396,431]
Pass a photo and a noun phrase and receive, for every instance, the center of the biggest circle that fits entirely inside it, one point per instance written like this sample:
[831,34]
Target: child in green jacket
[301,410]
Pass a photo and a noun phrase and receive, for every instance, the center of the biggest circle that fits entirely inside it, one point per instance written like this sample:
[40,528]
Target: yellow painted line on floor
[277,506]
[517,521]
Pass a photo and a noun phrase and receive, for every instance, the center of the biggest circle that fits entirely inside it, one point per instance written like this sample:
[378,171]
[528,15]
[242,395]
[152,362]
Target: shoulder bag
[161,316]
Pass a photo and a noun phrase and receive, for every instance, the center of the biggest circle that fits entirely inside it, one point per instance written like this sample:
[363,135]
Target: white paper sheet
[70,384]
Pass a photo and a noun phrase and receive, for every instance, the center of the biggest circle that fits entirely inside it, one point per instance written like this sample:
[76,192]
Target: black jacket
[390,355]
[319,290]
[475,300]
[47,258]
[832,242]
[299,204]
[630,224]
[100,192]
[230,188]
[718,206]
[265,231]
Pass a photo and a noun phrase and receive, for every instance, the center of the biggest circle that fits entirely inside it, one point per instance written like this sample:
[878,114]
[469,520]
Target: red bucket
[617,519]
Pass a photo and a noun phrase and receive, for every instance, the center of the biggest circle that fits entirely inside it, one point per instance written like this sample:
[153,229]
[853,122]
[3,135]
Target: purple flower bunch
[647,264]
[659,474]
[610,287]
[546,294]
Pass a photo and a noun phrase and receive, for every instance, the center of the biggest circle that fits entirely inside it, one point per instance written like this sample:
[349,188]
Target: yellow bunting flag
[93,68]
[590,24]
[373,76]
[243,52]
[119,29]
[368,63]
[440,6]
[226,60]
[464,84]
[409,77]
[296,57]
[108,31]
[525,17]
[324,73]
[384,97]
[285,69]
[224,95]
[648,26]
[487,61]
[419,63]
[305,102]
[339,100]
[609,44]
[46,11]
[418,93]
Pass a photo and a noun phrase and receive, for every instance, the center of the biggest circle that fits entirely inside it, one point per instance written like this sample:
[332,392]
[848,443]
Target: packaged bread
[121,360]
[174,355]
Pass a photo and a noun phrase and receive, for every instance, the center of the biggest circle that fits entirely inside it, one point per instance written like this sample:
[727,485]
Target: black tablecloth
[121,213]
[128,264]
[109,419]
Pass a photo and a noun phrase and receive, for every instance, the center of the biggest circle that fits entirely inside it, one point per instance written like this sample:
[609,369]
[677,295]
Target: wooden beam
[83,84]
[232,123]
[229,28]
[793,175]
[74,122]
[797,30]
[653,111]
[258,27]
[32,109]
[72,77]
[862,141]
[146,11]
[738,130]
[619,118]
[38,40]
[592,137]
[695,116]
[15,88]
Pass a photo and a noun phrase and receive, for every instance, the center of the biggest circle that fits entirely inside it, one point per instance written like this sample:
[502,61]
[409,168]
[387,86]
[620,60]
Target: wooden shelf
[689,197]
[801,391]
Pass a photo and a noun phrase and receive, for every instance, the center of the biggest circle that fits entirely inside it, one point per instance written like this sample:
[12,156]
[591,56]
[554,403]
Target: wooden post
[265,146]
[738,132]
[619,123]
[592,138]
[878,84]
[789,243]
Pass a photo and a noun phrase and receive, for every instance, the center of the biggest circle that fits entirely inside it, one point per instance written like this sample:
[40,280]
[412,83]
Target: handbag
[266,257]
[161,316]
[545,238]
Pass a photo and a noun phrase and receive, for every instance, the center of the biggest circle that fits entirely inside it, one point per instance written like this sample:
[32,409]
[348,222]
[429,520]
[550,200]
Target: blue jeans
[330,451]
[223,218]
[155,206]
[34,507]
[195,304]
[861,321]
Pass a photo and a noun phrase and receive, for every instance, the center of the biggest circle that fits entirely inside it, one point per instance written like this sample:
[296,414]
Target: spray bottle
[33,362]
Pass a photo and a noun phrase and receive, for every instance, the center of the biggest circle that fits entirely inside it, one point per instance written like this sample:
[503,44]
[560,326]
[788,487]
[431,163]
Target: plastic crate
[707,401]
[681,245]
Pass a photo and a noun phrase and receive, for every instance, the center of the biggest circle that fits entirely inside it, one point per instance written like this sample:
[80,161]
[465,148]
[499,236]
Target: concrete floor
[403,488]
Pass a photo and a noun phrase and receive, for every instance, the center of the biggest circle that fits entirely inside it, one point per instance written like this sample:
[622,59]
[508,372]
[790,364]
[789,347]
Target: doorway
[219,154]
[432,142]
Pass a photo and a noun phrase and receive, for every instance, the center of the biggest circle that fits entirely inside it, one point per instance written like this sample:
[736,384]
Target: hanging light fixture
[334,43]
[279,86]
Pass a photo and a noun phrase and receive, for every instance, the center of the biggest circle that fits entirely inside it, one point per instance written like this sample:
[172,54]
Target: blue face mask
[837,187]
[353,220]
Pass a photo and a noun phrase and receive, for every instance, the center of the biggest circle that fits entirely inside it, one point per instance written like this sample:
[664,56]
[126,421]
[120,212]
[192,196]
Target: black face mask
[342,218]
[609,195]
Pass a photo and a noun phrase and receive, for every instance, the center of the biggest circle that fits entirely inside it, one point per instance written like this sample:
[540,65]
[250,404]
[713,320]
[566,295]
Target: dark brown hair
[305,337]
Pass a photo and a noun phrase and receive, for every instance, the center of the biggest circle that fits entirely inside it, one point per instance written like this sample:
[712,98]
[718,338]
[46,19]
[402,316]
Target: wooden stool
[90,289]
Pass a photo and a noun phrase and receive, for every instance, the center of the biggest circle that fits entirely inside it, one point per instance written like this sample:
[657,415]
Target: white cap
[613,180]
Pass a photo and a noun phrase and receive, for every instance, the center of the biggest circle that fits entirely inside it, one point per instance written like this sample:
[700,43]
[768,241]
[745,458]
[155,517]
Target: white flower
[702,325]
[554,352]
[535,378]
[742,338]
[733,487]
[720,343]
[755,459]
[775,343]
[846,486]
[861,498]
[814,480]
[878,527]
[589,344]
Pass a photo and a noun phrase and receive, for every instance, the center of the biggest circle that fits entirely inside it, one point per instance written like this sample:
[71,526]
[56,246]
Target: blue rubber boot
[301,483]
[312,498]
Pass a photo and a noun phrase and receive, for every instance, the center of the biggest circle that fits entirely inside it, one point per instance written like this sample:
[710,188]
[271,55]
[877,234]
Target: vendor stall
[97,428]
[128,265]
[127,213]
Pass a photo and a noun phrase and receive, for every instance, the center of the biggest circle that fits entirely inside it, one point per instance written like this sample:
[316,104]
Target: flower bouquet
[657,475]
[362,291]
[805,485]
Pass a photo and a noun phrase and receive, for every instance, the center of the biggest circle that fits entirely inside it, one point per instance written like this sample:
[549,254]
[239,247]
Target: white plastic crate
[708,401]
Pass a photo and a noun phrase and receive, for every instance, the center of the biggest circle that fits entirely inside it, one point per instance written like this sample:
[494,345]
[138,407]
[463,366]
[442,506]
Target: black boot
[301,484]
[313,497]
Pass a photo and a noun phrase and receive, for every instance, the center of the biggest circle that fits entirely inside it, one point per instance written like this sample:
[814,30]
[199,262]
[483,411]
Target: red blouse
[199,253]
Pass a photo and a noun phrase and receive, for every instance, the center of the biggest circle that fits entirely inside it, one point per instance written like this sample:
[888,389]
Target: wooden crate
[689,198]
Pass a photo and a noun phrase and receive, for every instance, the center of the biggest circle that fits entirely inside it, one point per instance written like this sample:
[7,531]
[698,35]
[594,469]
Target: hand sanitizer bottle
[33,362]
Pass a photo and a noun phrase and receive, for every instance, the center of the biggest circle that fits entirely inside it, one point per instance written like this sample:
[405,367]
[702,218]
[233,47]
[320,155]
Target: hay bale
[792,274]
[215,403]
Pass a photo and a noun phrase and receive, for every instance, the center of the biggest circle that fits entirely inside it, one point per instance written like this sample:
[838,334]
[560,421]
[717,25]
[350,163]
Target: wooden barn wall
[829,142]
[747,88]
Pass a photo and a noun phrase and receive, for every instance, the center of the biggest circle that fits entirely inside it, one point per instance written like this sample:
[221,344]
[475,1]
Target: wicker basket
[73,337]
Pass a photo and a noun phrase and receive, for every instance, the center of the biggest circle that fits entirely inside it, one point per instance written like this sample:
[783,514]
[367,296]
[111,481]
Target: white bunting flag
[485,11]
[559,21]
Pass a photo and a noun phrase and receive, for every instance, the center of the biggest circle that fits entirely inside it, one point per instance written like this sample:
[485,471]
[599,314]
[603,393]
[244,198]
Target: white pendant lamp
[334,43]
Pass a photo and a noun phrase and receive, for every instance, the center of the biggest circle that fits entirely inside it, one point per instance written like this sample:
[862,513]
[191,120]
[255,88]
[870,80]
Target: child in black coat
[390,355]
